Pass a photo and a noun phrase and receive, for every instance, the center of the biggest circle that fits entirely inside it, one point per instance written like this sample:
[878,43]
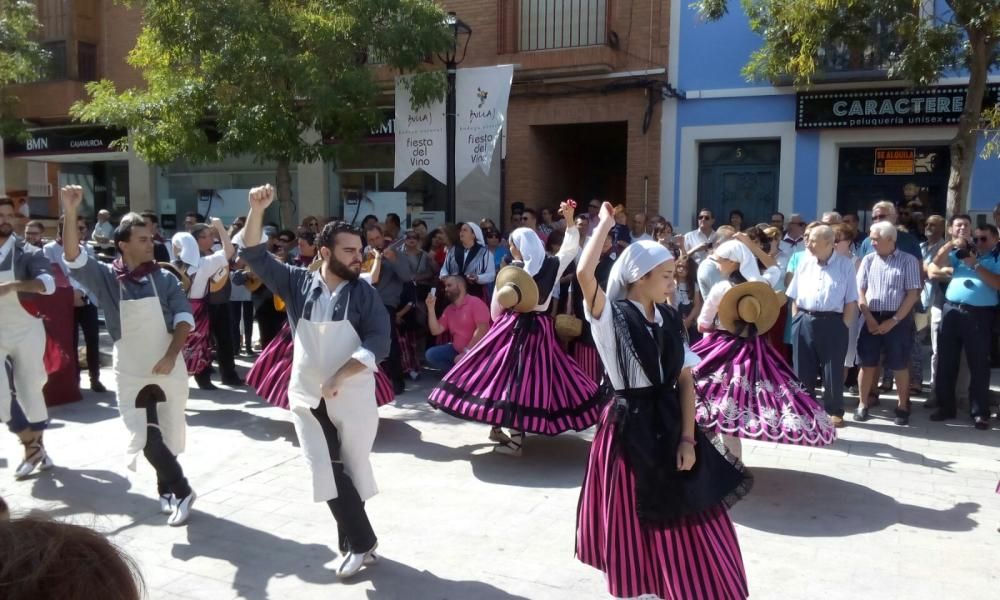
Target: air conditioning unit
[40,190]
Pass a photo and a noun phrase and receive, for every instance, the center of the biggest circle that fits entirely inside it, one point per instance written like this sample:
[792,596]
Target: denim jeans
[441,357]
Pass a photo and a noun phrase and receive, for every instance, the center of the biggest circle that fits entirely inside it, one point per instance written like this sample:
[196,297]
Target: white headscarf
[531,248]
[638,259]
[476,229]
[738,252]
[186,249]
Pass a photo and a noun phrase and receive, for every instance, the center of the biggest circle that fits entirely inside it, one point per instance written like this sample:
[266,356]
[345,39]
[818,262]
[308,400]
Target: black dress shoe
[981,423]
[97,386]
[940,415]
[232,380]
[902,417]
[204,381]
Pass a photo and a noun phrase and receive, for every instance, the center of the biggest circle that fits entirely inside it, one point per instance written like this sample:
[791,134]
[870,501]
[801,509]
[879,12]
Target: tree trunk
[283,178]
[963,146]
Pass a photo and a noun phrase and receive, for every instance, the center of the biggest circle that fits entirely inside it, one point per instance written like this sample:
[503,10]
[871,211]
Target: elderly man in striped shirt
[888,288]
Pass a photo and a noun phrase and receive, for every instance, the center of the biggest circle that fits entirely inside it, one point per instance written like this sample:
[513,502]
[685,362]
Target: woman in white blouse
[645,513]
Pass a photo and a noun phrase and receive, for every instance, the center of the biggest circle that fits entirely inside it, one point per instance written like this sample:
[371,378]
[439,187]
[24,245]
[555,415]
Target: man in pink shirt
[467,319]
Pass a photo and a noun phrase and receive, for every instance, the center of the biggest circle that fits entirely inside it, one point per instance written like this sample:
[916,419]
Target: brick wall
[530,176]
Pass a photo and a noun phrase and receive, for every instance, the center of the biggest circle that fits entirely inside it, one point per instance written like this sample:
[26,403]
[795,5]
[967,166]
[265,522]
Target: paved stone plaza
[885,513]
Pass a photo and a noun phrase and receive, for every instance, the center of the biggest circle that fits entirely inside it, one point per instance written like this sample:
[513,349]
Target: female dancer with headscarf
[471,259]
[744,386]
[653,507]
[188,259]
[518,376]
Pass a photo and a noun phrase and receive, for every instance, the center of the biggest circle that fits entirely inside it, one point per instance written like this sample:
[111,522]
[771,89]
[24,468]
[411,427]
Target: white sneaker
[166,503]
[354,561]
[182,510]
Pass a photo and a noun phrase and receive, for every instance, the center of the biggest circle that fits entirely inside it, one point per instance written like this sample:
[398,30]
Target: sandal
[512,446]
[497,435]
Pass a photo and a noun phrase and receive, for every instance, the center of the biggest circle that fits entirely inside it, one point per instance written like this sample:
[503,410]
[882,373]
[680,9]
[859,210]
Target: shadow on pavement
[399,437]
[800,504]
[97,492]
[257,555]
[395,581]
[94,408]
[253,426]
[549,462]
[887,451]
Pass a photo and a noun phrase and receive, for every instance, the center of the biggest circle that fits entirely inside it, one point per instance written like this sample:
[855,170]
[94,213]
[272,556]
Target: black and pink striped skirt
[696,558]
[585,354]
[519,377]
[272,371]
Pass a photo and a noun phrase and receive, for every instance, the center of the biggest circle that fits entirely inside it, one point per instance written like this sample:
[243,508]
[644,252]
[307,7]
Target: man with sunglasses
[697,243]
[84,302]
[967,319]
[905,241]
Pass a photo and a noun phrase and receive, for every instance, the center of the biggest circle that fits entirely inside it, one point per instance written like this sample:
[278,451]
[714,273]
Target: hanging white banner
[421,141]
[481,97]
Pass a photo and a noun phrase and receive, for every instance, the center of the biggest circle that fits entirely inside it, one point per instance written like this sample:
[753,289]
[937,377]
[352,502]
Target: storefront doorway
[863,178]
[583,161]
[739,175]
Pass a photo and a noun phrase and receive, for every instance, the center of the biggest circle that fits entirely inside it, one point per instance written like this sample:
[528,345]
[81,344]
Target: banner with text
[481,97]
[421,142]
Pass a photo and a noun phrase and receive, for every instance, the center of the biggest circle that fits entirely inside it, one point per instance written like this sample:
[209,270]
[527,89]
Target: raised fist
[217,223]
[71,196]
[262,197]
[607,211]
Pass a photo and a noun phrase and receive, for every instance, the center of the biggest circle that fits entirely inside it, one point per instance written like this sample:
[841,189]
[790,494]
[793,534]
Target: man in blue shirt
[967,319]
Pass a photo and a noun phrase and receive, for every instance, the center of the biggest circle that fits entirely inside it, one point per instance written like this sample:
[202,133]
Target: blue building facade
[851,139]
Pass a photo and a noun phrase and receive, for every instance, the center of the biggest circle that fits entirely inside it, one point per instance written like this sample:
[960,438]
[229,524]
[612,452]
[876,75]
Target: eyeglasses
[32,233]
[704,217]
[981,239]
[877,217]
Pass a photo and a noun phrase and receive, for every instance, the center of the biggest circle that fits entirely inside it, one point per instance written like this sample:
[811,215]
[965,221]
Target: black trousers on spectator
[819,347]
[169,475]
[222,331]
[353,527]
[968,328]
[394,364]
[85,318]
[269,322]
[242,312]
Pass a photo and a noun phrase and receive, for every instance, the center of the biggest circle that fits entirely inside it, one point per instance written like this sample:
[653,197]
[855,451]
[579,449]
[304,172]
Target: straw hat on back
[516,289]
[752,303]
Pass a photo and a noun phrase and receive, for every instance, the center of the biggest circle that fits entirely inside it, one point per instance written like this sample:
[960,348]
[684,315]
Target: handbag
[568,326]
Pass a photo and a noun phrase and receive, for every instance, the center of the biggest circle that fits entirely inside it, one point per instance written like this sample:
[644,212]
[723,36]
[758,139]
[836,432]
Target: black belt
[884,314]
[822,314]
[969,307]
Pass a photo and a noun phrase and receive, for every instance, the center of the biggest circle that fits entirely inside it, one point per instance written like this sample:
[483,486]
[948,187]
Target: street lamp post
[461,33]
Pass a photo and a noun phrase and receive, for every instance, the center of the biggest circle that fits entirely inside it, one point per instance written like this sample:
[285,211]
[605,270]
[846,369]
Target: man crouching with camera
[967,317]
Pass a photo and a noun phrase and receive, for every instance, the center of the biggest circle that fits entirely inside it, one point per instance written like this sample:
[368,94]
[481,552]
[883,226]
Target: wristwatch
[895,318]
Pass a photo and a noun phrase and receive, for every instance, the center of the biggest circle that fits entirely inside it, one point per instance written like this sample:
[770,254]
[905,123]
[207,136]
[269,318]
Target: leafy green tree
[268,78]
[965,36]
[21,58]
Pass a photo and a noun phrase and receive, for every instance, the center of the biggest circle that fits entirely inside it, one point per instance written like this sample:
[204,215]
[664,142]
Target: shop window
[550,24]
[86,61]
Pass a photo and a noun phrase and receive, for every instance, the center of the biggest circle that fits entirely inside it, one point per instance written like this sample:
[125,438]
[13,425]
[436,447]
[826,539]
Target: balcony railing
[553,24]
[841,59]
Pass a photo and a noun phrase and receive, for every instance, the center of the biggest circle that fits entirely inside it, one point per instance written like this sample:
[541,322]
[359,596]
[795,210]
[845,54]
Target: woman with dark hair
[745,387]
[48,560]
[367,222]
[736,219]
[688,296]
[436,244]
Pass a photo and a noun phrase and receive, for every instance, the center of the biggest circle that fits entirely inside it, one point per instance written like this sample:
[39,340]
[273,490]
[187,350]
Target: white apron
[320,350]
[22,337]
[144,341]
